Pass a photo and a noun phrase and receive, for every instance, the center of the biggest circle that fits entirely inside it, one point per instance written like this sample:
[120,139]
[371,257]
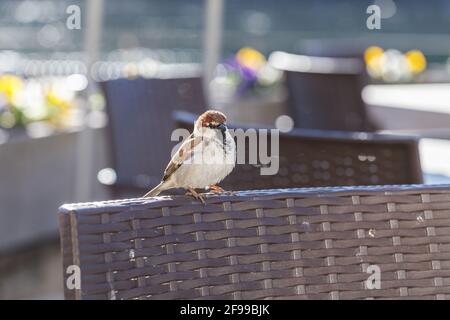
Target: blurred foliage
[26,101]
[392,65]
[247,73]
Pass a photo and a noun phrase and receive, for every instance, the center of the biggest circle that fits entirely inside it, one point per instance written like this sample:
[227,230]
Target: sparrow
[204,159]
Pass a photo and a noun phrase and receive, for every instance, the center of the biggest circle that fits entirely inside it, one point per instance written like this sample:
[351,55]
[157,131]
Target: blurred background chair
[140,126]
[313,158]
[325,92]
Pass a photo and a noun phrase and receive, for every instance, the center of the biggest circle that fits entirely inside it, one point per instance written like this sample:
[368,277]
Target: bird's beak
[222,127]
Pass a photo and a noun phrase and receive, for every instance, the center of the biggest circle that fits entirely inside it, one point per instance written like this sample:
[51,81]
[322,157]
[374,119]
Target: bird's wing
[183,153]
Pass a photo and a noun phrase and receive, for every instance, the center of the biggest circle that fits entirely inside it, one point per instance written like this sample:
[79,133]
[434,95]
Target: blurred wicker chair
[325,92]
[140,111]
[291,244]
[314,158]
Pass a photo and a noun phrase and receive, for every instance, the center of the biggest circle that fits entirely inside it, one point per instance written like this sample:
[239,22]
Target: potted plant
[248,89]
[37,107]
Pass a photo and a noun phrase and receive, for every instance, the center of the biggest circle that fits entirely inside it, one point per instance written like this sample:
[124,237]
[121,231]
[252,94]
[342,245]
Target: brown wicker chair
[291,243]
[313,158]
[325,92]
[140,111]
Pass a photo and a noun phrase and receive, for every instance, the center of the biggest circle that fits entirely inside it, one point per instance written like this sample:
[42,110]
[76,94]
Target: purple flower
[247,77]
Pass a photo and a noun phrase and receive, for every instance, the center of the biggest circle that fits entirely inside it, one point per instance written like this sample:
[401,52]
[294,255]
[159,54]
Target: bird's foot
[217,189]
[195,194]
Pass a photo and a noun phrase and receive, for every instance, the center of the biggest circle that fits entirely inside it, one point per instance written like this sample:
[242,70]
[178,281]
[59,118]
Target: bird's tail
[155,191]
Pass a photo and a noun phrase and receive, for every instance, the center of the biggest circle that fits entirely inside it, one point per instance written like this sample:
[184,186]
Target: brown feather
[211,116]
[182,154]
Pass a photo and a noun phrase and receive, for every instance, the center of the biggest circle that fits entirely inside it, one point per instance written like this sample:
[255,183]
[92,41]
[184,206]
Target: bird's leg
[196,195]
[215,188]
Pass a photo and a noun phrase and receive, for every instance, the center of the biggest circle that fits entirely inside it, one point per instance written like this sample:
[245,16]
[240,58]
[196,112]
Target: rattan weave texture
[312,243]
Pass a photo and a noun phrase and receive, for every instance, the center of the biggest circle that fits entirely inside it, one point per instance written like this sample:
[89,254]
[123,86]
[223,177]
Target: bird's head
[211,121]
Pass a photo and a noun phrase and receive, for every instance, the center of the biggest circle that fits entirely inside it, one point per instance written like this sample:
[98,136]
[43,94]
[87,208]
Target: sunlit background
[49,94]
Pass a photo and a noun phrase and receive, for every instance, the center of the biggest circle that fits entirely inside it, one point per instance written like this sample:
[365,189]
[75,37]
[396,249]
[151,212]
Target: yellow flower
[58,108]
[250,58]
[372,53]
[9,86]
[56,100]
[373,56]
[416,61]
